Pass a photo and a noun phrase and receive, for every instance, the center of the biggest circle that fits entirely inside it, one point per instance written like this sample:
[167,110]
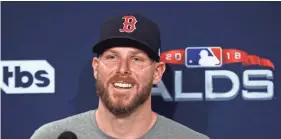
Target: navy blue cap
[131,30]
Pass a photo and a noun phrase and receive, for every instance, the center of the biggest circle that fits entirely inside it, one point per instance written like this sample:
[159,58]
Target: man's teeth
[123,85]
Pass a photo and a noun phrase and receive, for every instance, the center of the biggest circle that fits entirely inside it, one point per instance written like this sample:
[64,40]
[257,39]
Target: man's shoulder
[179,130]
[55,128]
[74,120]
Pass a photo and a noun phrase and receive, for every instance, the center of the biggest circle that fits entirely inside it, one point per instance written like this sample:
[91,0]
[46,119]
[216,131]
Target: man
[125,70]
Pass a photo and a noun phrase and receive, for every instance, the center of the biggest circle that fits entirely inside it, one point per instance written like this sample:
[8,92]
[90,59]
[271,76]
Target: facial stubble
[120,108]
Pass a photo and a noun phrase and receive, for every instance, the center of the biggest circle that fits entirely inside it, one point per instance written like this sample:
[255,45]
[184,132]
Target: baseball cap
[132,30]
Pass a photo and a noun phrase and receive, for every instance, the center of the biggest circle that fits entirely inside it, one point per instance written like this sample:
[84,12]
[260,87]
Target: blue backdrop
[62,33]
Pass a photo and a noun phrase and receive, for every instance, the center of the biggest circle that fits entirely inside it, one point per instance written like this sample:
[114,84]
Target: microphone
[67,135]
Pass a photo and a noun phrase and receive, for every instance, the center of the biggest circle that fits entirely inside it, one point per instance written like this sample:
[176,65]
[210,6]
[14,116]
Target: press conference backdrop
[47,74]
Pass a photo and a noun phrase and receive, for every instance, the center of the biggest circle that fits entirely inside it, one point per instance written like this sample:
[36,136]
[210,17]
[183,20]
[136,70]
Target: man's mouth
[123,85]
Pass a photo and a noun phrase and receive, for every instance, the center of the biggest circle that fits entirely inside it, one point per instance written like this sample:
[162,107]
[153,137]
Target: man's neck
[131,127]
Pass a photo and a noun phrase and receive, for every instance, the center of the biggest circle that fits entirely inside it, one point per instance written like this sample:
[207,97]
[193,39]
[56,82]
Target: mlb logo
[200,57]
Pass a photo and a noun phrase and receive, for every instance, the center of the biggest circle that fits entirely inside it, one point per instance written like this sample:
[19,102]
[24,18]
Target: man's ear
[158,72]
[95,64]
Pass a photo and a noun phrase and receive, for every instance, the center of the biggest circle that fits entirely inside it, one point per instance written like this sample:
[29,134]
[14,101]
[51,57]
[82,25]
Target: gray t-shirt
[85,127]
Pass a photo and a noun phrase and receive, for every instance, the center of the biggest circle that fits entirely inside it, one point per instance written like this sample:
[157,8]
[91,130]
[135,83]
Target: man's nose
[124,67]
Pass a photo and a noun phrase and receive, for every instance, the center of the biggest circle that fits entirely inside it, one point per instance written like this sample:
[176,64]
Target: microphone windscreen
[67,135]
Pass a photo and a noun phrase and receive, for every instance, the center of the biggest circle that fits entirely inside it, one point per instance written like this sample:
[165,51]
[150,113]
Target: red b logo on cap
[129,25]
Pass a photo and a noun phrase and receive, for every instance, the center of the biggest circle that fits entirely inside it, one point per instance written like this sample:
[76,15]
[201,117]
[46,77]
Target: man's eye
[111,57]
[137,59]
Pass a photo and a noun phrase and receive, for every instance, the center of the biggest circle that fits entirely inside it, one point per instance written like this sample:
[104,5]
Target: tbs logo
[27,77]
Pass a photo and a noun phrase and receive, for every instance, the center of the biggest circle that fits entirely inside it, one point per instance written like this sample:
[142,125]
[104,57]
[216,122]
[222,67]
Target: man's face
[124,78]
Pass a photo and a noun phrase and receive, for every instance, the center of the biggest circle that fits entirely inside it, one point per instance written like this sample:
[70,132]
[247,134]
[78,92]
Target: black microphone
[67,135]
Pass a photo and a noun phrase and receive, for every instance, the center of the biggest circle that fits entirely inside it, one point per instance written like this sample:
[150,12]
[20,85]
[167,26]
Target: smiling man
[126,67]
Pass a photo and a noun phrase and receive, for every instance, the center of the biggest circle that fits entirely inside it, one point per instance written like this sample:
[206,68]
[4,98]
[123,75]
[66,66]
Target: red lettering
[129,25]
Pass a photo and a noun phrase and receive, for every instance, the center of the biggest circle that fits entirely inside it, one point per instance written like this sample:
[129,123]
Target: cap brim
[105,44]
